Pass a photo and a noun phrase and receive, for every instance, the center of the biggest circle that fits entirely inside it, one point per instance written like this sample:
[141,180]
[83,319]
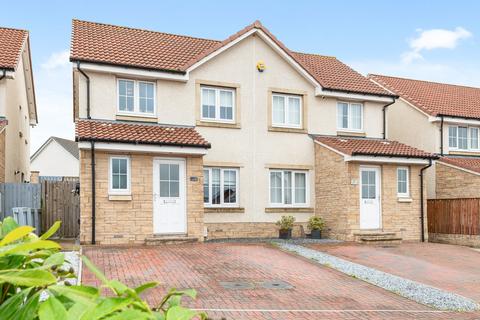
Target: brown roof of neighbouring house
[434,98]
[354,146]
[141,133]
[138,48]
[11,44]
[468,163]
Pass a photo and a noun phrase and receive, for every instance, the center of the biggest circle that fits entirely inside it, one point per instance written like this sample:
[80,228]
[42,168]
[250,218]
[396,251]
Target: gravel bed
[274,240]
[72,259]
[412,290]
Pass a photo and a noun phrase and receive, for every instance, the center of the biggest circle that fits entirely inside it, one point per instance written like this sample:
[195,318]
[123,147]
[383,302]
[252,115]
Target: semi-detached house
[193,138]
[18,109]
[444,119]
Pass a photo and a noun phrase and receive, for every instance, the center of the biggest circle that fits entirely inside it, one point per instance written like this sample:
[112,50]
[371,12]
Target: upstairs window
[286,110]
[463,138]
[349,116]
[136,97]
[218,104]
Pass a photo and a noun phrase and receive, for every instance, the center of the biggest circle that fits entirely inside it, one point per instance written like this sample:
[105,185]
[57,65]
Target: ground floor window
[220,186]
[119,175]
[402,182]
[288,188]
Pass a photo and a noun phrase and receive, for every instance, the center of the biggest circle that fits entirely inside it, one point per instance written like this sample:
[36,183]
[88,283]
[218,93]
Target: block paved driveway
[448,267]
[316,292]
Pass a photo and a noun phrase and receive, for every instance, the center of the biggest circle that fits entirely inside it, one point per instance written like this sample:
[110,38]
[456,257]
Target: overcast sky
[431,40]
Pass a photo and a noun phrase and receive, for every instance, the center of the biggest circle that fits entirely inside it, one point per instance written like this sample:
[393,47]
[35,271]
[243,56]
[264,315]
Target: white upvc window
[119,175]
[349,116]
[286,110]
[403,183]
[473,138]
[220,187]
[136,97]
[463,138]
[288,188]
[218,104]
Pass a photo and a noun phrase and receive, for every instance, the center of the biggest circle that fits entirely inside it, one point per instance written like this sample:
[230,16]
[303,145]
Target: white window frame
[112,191]
[407,193]
[286,111]
[136,99]
[217,104]
[469,138]
[294,204]
[349,124]
[222,204]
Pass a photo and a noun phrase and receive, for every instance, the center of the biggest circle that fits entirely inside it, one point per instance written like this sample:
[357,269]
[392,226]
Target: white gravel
[412,290]
[72,259]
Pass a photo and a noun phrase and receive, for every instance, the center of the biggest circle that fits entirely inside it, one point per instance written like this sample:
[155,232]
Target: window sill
[289,210]
[286,129]
[136,117]
[229,125]
[224,210]
[351,133]
[120,197]
[464,152]
[405,200]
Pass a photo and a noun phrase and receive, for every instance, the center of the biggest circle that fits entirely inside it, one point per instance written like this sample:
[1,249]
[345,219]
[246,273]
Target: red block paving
[452,268]
[318,292]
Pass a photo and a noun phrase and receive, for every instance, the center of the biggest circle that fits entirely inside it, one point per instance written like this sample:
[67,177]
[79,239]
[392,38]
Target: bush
[316,223]
[286,222]
[33,286]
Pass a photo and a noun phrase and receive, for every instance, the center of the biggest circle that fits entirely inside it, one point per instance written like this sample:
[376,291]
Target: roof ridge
[15,29]
[145,30]
[315,54]
[420,80]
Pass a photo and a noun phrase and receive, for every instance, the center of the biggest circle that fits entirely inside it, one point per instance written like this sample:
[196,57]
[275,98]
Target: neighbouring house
[192,138]
[56,158]
[440,118]
[17,105]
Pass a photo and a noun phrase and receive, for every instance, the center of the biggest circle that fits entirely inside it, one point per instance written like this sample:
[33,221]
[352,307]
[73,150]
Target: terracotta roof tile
[103,43]
[127,132]
[97,42]
[11,44]
[353,146]
[435,98]
[331,73]
[468,163]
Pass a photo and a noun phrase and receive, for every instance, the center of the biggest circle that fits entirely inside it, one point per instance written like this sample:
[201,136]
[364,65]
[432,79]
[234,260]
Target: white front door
[369,198]
[169,205]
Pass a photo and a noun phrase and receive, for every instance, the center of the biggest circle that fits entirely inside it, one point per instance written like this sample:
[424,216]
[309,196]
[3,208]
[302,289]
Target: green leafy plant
[286,222]
[315,223]
[34,285]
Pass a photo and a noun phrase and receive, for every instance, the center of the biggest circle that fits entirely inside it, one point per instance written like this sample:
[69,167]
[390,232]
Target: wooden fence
[61,202]
[454,216]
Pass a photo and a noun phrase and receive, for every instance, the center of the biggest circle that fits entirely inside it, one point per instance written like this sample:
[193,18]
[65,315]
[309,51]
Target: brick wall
[249,230]
[454,183]
[457,239]
[338,200]
[131,221]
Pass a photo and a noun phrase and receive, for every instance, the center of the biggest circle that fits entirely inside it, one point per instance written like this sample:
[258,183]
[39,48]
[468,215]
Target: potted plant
[286,226]
[316,225]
